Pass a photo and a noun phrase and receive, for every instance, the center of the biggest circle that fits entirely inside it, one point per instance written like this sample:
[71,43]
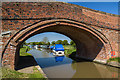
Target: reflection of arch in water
[111,72]
[85,70]
[93,70]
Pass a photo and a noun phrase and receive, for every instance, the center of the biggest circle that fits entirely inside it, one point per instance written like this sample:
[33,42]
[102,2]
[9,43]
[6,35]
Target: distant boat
[58,50]
[44,46]
[51,47]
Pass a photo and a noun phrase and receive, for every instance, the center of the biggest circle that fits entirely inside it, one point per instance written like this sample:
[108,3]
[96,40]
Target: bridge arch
[90,42]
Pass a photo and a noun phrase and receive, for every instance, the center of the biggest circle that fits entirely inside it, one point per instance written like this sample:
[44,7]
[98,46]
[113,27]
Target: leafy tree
[58,42]
[72,43]
[43,43]
[39,43]
[65,42]
[27,43]
[32,43]
[36,43]
[53,43]
[48,43]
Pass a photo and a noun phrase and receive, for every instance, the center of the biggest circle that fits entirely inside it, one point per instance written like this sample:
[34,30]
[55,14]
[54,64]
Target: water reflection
[59,58]
[63,67]
[46,59]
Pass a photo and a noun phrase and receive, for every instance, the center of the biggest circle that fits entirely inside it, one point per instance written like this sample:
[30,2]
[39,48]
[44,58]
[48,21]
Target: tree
[45,40]
[58,42]
[27,43]
[48,43]
[43,43]
[36,43]
[53,43]
[65,42]
[72,43]
[39,43]
[32,43]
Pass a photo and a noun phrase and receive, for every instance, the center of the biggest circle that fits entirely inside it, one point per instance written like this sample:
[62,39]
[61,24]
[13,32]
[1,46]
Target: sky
[89,0]
[109,7]
[52,36]
[60,0]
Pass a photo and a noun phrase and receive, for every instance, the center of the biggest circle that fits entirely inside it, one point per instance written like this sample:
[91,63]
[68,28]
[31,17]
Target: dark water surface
[64,67]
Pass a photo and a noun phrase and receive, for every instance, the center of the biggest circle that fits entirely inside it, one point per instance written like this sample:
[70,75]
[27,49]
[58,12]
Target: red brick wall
[18,16]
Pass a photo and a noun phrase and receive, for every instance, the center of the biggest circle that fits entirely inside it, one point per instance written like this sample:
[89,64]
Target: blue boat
[58,50]
[51,47]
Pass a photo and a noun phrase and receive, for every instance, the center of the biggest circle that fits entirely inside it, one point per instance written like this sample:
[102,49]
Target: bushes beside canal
[23,51]
[69,49]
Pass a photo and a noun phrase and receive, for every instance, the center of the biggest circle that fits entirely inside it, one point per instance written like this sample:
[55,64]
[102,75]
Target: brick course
[84,26]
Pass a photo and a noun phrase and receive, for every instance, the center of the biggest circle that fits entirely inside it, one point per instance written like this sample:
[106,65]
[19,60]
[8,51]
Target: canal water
[64,67]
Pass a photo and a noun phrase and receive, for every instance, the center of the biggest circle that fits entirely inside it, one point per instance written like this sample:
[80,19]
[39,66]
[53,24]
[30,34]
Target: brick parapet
[56,10]
[18,16]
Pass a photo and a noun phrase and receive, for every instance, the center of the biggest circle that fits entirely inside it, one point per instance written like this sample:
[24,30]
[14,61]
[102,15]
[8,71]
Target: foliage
[69,49]
[39,43]
[114,59]
[32,43]
[48,43]
[7,73]
[65,42]
[53,43]
[72,43]
[23,51]
[36,74]
[58,42]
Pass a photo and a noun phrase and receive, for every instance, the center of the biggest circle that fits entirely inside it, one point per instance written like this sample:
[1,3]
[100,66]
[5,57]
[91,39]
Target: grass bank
[7,73]
[26,60]
[23,51]
[69,49]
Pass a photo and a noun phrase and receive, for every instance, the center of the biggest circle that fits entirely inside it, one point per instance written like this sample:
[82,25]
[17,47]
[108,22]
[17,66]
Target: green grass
[69,49]
[7,73]
[117,59]
[36,74]
[23,51]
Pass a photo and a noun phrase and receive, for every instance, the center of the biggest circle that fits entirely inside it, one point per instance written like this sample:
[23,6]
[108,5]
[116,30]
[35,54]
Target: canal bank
[27,69]
[115,64]
[69,68]
[29,66]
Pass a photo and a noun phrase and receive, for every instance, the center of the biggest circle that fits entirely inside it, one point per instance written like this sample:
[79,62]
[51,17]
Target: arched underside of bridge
[89,42]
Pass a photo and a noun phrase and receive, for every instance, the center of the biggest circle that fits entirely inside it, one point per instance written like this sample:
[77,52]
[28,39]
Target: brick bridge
[95,33]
